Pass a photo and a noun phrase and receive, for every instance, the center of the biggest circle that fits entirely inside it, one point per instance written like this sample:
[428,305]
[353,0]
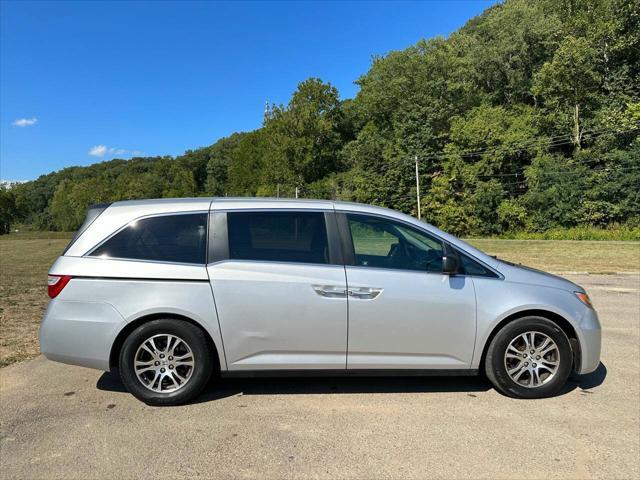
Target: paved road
[61,421]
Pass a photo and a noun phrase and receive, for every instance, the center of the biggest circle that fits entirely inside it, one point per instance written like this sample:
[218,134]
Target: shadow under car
[228,387]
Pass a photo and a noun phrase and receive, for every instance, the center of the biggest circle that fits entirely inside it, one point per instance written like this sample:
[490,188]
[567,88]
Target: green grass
[25,258]
[566,255]
[617,232]
[26,232]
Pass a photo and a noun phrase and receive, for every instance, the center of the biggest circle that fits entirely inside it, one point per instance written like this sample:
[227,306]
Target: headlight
[584,298]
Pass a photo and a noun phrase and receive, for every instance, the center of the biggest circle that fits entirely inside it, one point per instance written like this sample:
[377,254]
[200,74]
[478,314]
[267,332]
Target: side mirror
[450,261]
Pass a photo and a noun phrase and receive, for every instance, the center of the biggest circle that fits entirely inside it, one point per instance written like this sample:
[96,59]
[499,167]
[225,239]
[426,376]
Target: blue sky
[82,82]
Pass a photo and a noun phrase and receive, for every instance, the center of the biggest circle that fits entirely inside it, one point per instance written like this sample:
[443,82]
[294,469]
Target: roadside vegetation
[616,232]
[524,120]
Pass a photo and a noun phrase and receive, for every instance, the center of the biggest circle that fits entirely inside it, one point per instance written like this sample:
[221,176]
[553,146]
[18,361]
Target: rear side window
[168,238]
[299,237]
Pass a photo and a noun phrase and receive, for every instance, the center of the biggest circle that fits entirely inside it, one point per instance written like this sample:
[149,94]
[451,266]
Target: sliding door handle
[330,291]
[337,291]
[364,293]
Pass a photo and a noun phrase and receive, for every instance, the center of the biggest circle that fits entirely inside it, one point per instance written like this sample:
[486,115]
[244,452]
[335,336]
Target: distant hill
[525,119]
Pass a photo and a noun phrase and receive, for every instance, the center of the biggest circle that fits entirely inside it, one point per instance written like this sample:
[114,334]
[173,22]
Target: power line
[606,169]
[517,174]
[576,162]
[553,141]
[522,184]
[513,149]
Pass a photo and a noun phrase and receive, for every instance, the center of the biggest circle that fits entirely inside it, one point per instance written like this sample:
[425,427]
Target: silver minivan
[171,292]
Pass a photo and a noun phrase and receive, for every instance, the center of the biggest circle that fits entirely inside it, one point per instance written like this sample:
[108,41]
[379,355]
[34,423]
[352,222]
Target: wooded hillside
[527,118]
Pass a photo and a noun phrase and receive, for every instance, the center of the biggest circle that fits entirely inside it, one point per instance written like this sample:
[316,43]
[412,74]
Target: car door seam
[215,306]
[346,283]
[475,337]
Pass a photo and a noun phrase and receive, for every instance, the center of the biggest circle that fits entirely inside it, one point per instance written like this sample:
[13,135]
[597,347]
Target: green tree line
[525,119]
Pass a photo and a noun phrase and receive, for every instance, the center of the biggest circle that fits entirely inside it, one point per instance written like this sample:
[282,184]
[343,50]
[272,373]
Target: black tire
[203,361]
[496,370]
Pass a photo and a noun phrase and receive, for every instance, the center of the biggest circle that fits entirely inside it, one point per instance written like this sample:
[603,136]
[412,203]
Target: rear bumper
[79,333]
[590,334]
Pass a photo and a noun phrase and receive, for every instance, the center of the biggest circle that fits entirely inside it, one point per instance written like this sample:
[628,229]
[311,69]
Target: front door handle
[330,291]
[364,293]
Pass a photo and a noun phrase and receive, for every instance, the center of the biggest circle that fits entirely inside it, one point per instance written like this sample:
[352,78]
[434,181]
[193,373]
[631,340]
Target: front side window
[299,237]
[382,243]
[471,267]
[168,238]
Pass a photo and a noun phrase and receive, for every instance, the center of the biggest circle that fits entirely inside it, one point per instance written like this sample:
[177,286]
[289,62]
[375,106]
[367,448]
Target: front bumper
[590,337]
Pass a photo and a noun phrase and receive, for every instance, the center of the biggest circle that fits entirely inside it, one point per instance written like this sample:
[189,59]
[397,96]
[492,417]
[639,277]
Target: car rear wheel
[166,362]
[529,358]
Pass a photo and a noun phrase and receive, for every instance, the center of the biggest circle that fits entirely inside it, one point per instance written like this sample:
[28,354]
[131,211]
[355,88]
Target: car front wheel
[529,358]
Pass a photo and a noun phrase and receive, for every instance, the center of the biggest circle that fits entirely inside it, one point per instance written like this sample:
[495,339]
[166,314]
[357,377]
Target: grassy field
[24,262]
[26,257]
[566,255]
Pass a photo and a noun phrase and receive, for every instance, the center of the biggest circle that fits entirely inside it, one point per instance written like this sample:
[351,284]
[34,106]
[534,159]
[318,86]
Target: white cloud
[102,150]
[98,150]
[25,122]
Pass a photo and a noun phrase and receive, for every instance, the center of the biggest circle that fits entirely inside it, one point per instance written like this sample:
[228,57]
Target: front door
[403,312]
[280,291]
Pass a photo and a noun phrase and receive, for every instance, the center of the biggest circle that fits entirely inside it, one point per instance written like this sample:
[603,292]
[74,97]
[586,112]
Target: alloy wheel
[164,363]
[532,359]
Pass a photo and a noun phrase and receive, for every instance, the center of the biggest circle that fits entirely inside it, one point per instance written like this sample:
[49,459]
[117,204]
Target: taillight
[55,284]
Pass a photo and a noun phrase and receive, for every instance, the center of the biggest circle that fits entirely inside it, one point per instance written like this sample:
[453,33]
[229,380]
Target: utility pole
[296,192]
[417,186]
[278,191]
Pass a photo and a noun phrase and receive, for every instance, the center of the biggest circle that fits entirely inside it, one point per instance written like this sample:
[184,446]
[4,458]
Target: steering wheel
[434,258]
[399,253]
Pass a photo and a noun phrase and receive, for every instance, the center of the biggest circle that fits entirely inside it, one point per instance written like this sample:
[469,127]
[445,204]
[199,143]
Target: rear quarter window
[168,238]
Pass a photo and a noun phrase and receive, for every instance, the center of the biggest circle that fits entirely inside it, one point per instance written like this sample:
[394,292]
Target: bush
[614,232]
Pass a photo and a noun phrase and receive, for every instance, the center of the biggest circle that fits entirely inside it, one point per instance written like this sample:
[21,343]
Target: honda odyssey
[170,292]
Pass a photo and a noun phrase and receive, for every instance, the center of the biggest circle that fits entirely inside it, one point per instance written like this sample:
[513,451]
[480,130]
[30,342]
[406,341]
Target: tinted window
[170,238]
[278,236]
[471,267]
[382,243]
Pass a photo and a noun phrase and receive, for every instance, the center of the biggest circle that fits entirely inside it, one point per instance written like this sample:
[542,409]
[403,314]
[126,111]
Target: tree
[303,139]
[506,46]
[71,200]
[569,83]
[246,167]
[220,157]
[7,209]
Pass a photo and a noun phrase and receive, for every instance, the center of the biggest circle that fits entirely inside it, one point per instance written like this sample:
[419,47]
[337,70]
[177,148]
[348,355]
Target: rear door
[404,313]
[280,289]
